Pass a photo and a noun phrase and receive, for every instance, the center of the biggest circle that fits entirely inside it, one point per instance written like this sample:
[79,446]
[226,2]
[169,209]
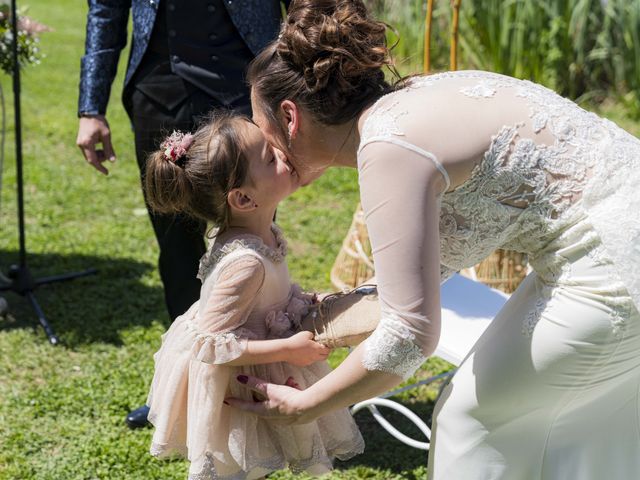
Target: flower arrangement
[28,39]
[176,146]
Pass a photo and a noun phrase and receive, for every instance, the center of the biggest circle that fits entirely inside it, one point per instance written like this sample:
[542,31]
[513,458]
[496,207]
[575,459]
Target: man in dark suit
[187,57]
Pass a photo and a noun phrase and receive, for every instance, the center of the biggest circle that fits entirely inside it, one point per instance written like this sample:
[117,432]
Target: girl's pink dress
[246,294]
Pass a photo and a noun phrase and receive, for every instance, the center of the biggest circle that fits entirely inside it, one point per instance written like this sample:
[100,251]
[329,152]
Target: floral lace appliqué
[533,317]
[382,121]
[482,90]
[210,259]
[518,194]
[208,471]
[391,348]
[523,192]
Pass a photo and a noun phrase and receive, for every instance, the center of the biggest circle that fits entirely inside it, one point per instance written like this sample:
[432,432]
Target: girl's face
[271,177]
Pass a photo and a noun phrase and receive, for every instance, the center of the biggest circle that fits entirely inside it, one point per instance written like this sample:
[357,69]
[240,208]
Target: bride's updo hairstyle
[328,59]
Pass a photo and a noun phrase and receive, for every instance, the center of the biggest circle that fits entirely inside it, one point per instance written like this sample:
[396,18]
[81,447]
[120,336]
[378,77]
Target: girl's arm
[229,303]
[300,349]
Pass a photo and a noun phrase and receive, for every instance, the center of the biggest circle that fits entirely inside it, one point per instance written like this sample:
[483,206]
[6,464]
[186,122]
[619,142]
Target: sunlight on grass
[62,409]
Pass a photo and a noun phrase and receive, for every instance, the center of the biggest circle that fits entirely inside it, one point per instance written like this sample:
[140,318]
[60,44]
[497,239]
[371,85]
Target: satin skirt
[551,389]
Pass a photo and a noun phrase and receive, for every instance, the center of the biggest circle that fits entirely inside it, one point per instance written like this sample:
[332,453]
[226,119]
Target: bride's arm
[400,193]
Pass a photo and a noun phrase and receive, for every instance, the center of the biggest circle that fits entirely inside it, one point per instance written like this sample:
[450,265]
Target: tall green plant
[407,17]
[617,52]
[547,41]
[580,48]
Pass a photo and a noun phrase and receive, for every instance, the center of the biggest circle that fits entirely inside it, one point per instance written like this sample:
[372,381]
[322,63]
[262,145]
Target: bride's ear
[291,115]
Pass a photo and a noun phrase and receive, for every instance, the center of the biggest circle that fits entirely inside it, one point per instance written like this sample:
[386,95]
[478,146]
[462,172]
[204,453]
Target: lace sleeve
[446,273]
[226,308]
[400,191]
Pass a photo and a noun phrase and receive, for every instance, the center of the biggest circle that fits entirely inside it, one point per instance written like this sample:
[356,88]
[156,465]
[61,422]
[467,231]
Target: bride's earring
[289,138]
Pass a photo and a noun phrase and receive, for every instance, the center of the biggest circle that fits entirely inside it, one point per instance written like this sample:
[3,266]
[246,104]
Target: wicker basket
[503,269]
[353,265]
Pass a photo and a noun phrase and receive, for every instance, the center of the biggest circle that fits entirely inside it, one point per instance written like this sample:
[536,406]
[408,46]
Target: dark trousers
[158,102]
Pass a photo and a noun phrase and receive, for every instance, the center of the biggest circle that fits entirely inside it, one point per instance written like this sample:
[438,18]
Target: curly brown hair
[329,59]
[198,184]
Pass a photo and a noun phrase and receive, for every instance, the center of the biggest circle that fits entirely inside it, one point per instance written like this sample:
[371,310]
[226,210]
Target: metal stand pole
[21,279]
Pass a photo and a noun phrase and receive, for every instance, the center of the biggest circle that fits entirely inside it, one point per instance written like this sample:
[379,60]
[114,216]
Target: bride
[452,166]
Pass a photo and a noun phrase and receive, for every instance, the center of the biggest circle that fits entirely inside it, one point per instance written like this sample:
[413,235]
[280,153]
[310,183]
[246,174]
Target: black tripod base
[24,284]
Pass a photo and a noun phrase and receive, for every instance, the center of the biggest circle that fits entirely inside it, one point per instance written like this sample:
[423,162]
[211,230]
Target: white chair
[468,307]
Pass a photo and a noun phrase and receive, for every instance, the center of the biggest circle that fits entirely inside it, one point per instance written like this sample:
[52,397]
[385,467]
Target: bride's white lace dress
[550,391]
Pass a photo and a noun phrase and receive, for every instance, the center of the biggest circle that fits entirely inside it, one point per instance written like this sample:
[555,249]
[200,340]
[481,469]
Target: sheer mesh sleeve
[400,191]
[225,309]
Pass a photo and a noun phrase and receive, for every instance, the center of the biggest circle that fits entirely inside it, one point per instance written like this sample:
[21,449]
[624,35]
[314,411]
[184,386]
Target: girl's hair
[197,182]
[328,59]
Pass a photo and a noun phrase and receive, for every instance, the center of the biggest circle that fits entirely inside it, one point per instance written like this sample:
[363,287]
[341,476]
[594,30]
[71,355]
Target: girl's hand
[302,350]
[280,403]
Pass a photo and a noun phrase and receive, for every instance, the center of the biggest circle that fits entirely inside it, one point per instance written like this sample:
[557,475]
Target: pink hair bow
[176,145]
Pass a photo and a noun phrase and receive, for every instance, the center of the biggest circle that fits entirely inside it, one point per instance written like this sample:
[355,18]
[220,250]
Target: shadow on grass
[89,309]
[385,452]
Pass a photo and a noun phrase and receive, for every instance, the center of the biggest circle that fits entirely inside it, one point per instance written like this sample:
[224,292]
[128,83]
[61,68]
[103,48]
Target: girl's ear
[240,201]
[291,114]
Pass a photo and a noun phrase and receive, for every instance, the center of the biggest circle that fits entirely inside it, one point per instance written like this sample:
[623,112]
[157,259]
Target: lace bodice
[514,161]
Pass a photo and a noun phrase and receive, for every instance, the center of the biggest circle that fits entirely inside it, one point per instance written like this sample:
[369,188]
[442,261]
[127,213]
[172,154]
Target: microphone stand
[21,280]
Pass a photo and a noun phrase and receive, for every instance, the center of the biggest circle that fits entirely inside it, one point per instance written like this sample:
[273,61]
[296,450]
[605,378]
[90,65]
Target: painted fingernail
[242,378]
[225,402]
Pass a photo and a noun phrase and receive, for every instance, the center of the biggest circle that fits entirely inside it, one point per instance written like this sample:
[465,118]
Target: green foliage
[406,19]
[584,49]
[549,41]
[28,39]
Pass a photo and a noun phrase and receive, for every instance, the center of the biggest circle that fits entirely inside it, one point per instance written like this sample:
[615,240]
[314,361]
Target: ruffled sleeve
[218,325]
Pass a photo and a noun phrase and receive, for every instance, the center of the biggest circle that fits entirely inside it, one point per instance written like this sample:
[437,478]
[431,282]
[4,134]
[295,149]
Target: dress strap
[413,148]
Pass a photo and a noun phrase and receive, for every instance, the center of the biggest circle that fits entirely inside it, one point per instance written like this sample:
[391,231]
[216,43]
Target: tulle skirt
[191,420]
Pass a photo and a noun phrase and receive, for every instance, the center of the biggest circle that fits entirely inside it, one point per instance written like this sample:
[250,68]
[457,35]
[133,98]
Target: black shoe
[138,417]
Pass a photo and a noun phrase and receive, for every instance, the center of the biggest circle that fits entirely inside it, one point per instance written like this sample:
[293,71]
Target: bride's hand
[281,403]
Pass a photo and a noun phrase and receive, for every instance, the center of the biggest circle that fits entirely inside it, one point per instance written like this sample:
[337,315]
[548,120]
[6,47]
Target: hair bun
[333,42]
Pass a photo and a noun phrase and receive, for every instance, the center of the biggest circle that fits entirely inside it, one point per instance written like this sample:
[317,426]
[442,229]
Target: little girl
[244,323]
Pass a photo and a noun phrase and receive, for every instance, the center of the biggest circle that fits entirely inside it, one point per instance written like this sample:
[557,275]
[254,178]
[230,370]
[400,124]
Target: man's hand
[93,130]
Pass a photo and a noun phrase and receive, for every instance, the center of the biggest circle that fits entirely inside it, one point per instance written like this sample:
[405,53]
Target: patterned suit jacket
[257,21]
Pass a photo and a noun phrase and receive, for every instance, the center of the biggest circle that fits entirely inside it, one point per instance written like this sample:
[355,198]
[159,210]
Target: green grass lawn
[62,408]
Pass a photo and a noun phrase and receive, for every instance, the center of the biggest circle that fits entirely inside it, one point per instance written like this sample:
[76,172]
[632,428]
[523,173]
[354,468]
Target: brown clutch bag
[344,319]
